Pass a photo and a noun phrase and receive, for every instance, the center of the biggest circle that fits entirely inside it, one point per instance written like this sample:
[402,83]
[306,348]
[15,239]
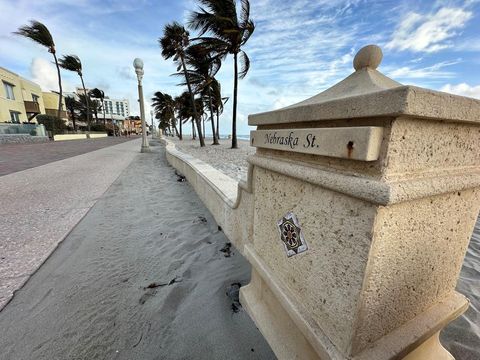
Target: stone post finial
[369,56]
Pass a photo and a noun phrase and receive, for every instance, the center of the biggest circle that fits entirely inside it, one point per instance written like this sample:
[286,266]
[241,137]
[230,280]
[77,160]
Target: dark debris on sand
[227,249]
[233,292]
[171,282]
[180,177]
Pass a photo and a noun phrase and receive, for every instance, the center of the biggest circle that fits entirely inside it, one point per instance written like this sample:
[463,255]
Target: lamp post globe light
[138,65]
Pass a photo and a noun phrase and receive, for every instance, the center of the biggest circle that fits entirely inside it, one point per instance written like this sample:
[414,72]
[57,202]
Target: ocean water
[239,137]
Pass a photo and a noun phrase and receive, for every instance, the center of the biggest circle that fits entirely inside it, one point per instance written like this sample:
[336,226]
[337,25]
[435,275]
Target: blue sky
[299,48]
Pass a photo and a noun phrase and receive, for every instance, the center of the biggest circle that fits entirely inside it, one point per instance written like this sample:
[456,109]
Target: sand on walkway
[91,299]
[39,206]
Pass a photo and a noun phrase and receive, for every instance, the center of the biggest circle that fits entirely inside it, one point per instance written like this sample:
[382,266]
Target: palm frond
[71,63]
[39,33]
[174,40]
[97,94]
[244,63]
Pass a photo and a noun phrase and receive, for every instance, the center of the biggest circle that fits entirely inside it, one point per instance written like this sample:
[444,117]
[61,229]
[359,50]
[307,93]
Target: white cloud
[44,73]
[430,32]
[462,89]
[435,71]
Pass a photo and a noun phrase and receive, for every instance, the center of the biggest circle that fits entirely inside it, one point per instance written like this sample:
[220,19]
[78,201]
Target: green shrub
[97,127]
[48,121]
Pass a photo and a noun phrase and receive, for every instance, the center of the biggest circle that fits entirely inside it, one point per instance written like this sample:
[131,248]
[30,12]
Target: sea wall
[229,201]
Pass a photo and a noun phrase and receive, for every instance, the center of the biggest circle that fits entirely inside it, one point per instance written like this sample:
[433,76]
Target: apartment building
[20,99]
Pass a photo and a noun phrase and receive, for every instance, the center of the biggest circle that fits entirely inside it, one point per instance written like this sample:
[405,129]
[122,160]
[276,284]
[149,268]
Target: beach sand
[142,276]
[461,337]
[232,162]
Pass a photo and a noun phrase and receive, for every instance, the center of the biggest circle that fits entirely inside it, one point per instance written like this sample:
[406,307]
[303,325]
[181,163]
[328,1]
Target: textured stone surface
[357,143]
[337,230]
[416,256]
[21,139]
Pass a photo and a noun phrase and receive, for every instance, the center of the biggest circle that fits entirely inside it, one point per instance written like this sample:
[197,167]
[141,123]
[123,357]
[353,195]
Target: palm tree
[87,106]
[72,105]
[186,111]
[230,31]
[39,33]
[99,94]
[164,108]
[203,66]
[73,63]
[173,43]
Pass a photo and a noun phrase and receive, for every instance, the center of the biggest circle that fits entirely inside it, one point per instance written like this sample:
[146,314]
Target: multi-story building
[20,99]
[50,99]
[115,109]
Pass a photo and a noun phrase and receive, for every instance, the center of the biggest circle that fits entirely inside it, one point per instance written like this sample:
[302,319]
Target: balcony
[32,107]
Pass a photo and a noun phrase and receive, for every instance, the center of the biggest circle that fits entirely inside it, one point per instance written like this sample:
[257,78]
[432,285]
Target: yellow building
[50,99]
[20,99]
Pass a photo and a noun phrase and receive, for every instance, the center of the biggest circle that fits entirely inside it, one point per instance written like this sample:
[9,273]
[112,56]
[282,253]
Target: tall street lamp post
[153,128]
[138,65]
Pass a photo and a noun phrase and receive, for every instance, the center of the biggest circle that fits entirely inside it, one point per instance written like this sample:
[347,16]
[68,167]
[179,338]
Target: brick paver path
[17,157]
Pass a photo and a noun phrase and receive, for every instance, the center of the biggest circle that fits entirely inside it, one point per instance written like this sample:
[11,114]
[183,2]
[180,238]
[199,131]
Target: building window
[15,117]
[9,90]
[35,98]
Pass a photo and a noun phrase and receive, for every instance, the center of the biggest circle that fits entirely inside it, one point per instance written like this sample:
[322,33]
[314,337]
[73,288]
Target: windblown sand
[142,276]
[232,162]
[461,337]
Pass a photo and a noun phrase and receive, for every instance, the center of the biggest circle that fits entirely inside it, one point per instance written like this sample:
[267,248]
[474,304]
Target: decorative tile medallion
[291,235]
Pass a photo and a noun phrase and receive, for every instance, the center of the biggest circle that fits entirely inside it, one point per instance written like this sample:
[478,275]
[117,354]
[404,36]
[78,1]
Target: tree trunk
[87,105]
[73,121]
[174,123]
[59,92]
[180,123]
[203,127]
[192,99]
[194,134]
[214,134]
[218,125]
[235,89]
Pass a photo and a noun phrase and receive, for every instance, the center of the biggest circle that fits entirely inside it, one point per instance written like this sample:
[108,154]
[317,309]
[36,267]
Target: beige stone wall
[415,260]
[337,229]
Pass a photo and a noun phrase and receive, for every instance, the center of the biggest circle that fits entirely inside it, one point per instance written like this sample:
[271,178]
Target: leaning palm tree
[229,31]
[203,66]
[173,43]
[73,63]
[39,33]
[164,108]
[99,94]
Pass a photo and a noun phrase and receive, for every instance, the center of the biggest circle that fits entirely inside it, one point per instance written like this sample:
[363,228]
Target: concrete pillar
[365,198]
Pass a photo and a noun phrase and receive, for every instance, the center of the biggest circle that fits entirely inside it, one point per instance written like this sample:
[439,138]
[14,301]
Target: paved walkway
[39,206]
[140,277]
[17,157]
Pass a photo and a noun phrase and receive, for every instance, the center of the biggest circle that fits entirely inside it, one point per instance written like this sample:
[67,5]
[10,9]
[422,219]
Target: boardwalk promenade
[40,205]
